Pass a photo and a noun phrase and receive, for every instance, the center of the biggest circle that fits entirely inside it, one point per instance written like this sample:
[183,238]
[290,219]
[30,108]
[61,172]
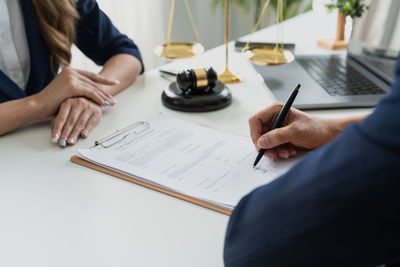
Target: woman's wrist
[38,107]
[124,68]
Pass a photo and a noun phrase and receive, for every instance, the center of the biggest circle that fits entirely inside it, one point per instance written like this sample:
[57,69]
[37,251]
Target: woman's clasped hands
[75,99]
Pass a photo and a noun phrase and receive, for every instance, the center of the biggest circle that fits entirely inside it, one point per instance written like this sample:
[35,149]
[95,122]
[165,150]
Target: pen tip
[298,86]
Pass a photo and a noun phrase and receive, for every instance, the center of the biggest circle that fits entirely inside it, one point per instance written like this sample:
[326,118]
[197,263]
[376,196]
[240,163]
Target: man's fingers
[59,121]
[276,137]
[268,115]
[271,154]
[283,152]
[292,151]
[256,128]
[98,78]
[261,122]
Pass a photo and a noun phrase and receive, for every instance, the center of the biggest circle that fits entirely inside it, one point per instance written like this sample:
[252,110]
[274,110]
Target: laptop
[359,79]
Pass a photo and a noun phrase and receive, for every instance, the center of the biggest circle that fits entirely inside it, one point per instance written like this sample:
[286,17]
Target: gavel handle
[169,73]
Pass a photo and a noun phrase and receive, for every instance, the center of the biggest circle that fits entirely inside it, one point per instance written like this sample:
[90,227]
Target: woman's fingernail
[115,100]
[263,142]
[107,103]
[85,133]
[71,141]
[55,138]
[63,143]
[116,81]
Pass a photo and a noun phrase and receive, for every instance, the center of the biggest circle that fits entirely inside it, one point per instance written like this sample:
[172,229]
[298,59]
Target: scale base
[215,98]
[174,51]
[333,44]
[228,77]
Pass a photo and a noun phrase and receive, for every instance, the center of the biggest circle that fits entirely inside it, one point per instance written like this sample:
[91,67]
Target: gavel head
[197,79]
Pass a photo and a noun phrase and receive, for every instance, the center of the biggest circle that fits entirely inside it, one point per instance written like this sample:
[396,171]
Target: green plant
[352,8]
[290,7]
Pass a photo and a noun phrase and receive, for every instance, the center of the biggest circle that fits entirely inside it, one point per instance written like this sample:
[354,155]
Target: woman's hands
[299,131]
[74,83]
[71,83]
[76,118]
[78,115]
[78,97]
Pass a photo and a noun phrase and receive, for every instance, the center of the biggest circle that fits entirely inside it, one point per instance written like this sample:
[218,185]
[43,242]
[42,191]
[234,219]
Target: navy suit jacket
[340,206]
[97,38]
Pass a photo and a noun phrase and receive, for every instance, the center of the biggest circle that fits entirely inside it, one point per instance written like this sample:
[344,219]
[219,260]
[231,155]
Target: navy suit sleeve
[97,37]
[337,207]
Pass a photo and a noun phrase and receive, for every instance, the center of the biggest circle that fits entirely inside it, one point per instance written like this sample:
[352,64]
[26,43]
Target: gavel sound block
[197,90]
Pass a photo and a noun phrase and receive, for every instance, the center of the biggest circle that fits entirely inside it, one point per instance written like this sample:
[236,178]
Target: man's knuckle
[277,104]
[252,119]
[298,127]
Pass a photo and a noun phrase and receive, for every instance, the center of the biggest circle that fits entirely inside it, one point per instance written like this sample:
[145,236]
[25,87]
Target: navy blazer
[97,38]
[340,206]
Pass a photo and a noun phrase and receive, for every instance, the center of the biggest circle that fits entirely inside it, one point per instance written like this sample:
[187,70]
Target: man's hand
[76,118]
[299,131]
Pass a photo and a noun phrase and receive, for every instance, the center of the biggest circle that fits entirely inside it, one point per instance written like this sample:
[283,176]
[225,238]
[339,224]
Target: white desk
[56,213]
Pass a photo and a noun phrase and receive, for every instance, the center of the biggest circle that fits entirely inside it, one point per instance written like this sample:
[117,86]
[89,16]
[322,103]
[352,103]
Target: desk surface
[55,213]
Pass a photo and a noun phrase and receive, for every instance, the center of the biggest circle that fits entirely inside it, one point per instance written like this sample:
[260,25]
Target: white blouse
[14,49]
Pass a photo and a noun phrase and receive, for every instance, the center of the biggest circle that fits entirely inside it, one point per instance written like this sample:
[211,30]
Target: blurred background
[146,22]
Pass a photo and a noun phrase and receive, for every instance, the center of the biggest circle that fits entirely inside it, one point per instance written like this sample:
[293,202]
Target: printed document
[197,161]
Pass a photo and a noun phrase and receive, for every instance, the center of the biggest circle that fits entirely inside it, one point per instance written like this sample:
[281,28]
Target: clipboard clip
[120,135]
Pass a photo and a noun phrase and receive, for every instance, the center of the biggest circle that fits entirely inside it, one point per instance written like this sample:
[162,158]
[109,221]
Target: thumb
[276,138]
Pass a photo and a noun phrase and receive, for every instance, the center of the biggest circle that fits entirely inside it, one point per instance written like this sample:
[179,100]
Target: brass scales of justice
[207,90]
[261,55]
[179,50]
[266,55]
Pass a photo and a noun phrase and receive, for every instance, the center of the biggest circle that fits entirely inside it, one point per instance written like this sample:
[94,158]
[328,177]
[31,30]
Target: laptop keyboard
[385,66]
[337,77]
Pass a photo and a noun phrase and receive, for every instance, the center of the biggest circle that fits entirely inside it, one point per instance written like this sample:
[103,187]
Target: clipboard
[119,136]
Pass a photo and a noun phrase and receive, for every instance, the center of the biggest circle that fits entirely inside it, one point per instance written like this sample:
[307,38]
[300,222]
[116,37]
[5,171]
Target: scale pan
[268,56]
[173,51]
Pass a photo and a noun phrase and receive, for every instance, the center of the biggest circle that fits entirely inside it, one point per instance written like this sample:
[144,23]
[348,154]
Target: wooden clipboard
[80,161]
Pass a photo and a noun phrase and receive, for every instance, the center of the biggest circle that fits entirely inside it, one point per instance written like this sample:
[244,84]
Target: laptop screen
[375,39]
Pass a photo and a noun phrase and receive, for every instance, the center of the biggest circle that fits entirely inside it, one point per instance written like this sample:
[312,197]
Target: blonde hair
[57,23]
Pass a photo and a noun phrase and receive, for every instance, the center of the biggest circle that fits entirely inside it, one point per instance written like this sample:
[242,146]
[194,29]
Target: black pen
[279,120]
